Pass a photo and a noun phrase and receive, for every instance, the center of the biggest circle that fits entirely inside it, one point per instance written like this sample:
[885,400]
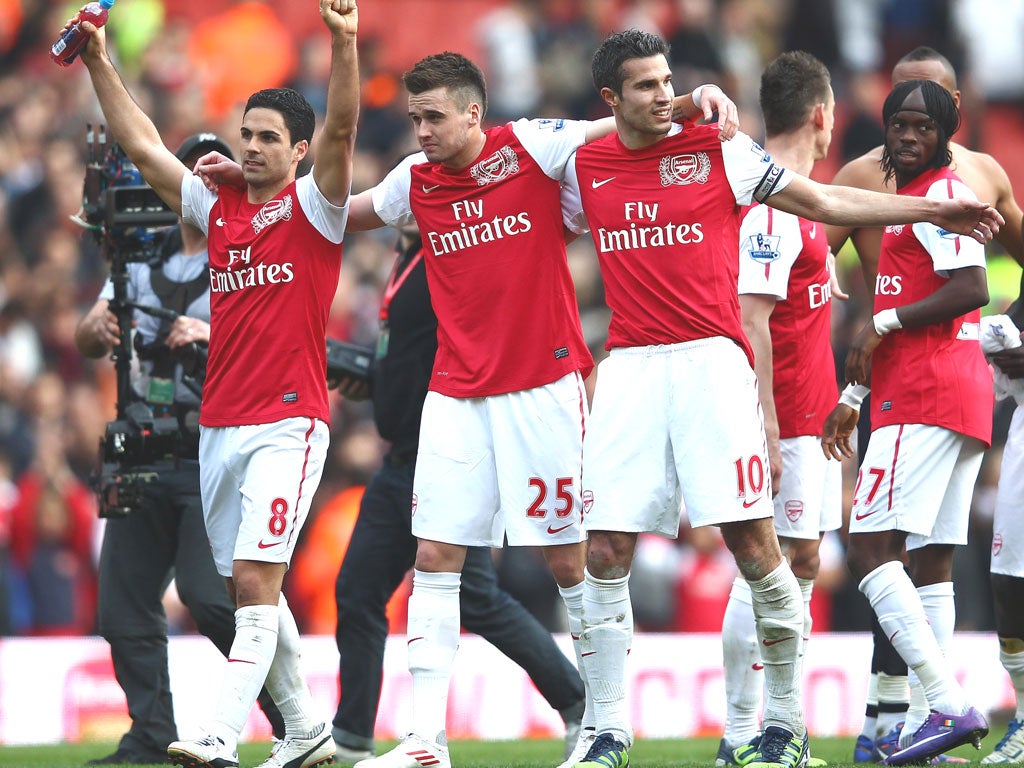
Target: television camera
[131,224]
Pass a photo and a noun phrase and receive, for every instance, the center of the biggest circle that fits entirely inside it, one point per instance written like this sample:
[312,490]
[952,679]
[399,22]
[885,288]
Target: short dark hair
[298,115]
[461,77]
[940,107]
[926,53]
[617,49]
[791,85]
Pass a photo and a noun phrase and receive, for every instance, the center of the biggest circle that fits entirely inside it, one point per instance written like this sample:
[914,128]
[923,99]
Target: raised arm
[129,125]
[858,207]
[332,168]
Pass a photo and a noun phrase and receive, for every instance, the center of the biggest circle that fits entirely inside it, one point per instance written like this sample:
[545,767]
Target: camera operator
[165,536]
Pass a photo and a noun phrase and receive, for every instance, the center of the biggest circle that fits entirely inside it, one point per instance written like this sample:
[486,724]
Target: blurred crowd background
[191,63]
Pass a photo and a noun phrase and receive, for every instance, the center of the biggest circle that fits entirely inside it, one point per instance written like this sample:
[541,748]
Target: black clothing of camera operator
[166,536]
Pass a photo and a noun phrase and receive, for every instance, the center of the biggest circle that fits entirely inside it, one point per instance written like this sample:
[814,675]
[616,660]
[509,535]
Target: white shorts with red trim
[1008,524]
[503,465]
[919,479]
[810,498]
[257,483]
[672,424]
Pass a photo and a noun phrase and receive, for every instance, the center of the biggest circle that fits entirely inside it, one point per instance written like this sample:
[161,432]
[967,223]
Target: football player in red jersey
[274,246]
[888,696]
[931,418]
[785,287]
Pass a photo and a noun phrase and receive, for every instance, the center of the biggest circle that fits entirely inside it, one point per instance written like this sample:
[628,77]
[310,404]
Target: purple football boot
[939,733]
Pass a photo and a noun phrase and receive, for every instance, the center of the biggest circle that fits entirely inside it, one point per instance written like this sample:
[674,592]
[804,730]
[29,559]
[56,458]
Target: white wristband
[886,320]
[695,95]
[854,395]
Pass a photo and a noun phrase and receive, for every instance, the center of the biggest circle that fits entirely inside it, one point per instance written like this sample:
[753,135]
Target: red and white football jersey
[936,374]
[665,222]
[785,256]
[495,257]
[273,273]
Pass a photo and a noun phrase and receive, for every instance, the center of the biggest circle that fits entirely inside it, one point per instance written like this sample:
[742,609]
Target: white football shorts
[917,478]
[1008,525]
[810,497]
[257,484]
[503,465]
[674,423]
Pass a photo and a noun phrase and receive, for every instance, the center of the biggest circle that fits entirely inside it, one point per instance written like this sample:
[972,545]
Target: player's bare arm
[361,213]
[861,173]
[129,125]
[1010,234]
[756,310]
[857,207]
[964,291]
[332,169]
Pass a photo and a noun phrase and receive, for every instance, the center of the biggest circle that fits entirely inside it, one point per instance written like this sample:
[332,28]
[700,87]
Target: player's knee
[860,559]
[609,555]
[805,562]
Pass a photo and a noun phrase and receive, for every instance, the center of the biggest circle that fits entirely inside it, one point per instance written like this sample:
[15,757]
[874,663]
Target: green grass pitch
[646,753]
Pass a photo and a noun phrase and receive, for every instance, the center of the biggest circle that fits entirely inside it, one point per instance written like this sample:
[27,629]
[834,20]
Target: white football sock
[1013,663]
[870,725]
[916,713]
[900,612]
[744,672]
[249,660]
[893,700]
[433,631]
[284,680]
[779,610]
[573,599]
[605,642]
[806,591]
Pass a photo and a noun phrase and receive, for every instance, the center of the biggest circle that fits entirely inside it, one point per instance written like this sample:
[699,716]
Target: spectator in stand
[52,524]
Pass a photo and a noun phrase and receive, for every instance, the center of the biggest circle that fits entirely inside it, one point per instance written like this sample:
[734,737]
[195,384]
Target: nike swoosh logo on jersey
[814,231]
[860,516]
[263,545]
[749,504]
[428,190]
[552,529]
[219,222]
[595,184]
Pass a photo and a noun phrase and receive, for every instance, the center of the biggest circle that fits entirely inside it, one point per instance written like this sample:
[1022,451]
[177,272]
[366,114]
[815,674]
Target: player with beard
[275,256]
